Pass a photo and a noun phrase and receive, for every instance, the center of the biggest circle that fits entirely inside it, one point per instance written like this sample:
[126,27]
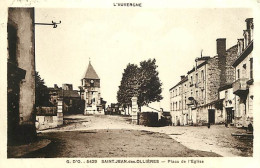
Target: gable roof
[244,54]
[181,82]
[91,73]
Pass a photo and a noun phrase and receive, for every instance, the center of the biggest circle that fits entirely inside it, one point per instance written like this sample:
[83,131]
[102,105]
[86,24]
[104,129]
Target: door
[211,114]
[230,115]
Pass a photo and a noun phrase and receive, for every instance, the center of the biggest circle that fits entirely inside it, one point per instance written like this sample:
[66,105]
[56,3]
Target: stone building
[72,102]
[226,94]
[53,94]
[197,98]
[21,75]
[178,105]
[244,81]
[92,95]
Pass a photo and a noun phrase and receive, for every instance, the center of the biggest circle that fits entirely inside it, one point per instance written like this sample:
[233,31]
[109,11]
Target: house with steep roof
[92,96]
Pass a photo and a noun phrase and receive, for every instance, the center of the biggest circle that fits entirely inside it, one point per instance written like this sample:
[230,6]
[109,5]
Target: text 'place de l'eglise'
[216,94]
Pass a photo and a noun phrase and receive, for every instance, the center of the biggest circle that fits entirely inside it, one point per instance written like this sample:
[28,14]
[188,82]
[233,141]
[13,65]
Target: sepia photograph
[130,84]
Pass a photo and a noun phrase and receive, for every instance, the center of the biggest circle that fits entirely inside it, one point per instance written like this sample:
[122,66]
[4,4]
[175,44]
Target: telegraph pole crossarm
[54,24]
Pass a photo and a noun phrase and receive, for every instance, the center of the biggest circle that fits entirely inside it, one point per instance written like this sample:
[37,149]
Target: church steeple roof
[91,73]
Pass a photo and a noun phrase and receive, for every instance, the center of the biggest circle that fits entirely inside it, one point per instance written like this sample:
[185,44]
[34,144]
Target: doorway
[230,115]
[211,114]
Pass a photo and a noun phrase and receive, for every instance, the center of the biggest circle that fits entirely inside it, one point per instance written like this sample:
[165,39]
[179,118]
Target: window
[202,75]
[238,74]
[244,66]
[185,105]
[197,94]
[226,94]
[191,80]
[251,68]
[196,80]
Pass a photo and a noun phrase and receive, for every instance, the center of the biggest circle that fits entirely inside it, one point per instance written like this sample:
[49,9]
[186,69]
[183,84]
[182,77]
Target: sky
[113,37]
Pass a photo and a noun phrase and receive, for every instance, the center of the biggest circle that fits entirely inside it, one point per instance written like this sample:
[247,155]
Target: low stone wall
[48,117]
[149,119]
[45,122]
[46,111]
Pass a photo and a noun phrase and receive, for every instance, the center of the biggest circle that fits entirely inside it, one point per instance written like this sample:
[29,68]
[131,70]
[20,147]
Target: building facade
[178,102]
[92,95]
[21,75]
[244,81]
[72,103]
[195,99]
[226,94]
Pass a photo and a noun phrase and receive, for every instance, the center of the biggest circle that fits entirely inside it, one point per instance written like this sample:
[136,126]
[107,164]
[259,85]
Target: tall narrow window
[185,105]
[238,74]
[251,68]
[202,75]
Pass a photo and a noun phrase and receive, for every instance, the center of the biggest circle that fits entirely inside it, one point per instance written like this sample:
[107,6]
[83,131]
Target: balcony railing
[240,86]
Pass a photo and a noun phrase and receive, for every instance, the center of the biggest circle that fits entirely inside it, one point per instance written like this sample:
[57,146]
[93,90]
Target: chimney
[249,29]
[221,51]
[248,21]
[56,86]
[67,86]
[221,46]
[240,44]
[182,77]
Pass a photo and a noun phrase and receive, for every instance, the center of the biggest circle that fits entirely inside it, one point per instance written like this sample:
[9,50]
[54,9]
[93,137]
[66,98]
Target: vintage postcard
[130,83]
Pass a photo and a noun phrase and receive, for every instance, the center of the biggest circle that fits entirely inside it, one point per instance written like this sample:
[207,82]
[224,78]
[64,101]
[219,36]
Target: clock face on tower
[91,81]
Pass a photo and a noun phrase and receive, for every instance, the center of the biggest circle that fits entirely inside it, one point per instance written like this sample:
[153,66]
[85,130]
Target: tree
[128,86]
[150,85]
[142,82]
[41,91]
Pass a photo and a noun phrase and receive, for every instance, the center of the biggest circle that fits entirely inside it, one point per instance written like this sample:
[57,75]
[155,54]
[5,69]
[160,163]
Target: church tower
[92,96]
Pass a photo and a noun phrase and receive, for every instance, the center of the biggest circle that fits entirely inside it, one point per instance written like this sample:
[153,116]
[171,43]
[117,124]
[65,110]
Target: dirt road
[115,136]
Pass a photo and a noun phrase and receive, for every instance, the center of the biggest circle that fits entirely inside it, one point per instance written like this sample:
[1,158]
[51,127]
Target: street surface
[115,136]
